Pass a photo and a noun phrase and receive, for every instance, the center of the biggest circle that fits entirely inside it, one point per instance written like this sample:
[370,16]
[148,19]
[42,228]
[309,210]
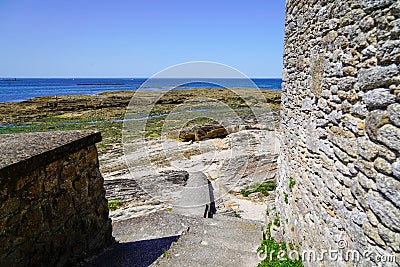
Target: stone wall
[53,206]
[340,129]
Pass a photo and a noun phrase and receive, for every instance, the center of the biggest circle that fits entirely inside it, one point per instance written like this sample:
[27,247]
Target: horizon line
[61,77]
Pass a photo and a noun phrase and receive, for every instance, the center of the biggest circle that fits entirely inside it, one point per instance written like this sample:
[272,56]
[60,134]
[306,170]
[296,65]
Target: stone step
[240,236]
[155,225]
[189,241]
[184,253]
[216,242]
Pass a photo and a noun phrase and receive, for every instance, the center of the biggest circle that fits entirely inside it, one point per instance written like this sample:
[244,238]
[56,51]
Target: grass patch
[153,135]
[292,182]
[268,232]
[286,198]
[263,188]
[165,253]
[114,204]
[237,215]
[276,221]
[271,250]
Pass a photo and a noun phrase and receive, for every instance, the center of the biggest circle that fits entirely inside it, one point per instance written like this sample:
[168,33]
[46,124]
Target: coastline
[104,112]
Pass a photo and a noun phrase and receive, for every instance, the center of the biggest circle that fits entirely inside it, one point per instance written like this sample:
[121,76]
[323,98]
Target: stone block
[367,149]
[388,214]
[374,121]
[390,187]
[371,5]
[379,97]
[390,136]
[396,169]
[394,114]
[366,168]
[377,76]
[383,166]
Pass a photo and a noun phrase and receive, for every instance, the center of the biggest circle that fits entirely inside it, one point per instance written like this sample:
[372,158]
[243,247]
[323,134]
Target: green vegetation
[262,188]
[286,198]
[114,204]
[275,254]
[292,182]
[271,250]
[276,221]
[268,232]
[237,215]
[105,113]
[153,135]
[165,253]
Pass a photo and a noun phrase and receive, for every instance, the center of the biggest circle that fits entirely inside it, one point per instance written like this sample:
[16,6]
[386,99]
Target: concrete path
[170,239]
[190,235]
[197,197]
[221,241]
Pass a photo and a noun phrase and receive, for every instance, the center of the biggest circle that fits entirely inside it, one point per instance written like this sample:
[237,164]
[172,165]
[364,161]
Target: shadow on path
[212,209]
[133,254]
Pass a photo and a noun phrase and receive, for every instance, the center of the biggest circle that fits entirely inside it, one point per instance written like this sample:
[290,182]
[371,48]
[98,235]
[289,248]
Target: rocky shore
[233,159]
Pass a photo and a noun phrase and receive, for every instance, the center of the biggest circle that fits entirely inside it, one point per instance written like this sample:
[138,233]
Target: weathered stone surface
[348,188]
[394,114]
[367,149]
[55,213]
[367,23]
[356,125]
[365,182]
[370,5]
[198,133]
[385,211]
[374,121]
[383,166]
[367,168]
[390,136]
[359,109]
[19,158]
[377,76]
[378,98]
[390,188]
[396,169]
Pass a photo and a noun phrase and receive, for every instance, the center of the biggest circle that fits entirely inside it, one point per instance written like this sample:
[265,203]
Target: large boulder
[198,133]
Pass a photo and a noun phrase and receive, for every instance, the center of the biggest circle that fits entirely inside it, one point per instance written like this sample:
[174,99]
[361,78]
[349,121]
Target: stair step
[243,238]
[185,253]
[216,242]
[155,225]
[190,241]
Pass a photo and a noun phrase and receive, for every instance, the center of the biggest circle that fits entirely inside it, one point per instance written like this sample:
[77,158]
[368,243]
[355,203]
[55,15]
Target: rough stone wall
[340,128]
[56,213]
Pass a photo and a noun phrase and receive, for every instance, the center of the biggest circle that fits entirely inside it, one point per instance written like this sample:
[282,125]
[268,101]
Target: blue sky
[121,38]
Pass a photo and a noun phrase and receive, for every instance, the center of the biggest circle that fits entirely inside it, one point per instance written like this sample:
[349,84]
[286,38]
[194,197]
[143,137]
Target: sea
[22,89]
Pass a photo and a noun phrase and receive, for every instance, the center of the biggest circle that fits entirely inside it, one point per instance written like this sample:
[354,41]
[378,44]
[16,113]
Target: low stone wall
[339,166]
[53,206]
